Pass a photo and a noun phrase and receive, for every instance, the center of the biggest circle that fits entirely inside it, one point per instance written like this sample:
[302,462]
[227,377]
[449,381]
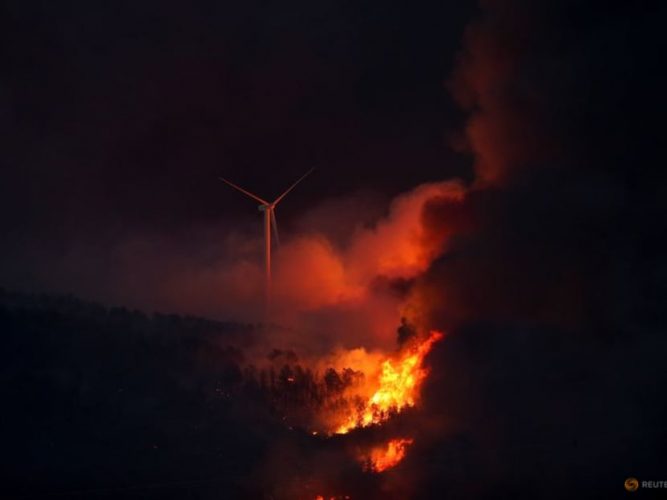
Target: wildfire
[358,389]
[396,387]
[385,457]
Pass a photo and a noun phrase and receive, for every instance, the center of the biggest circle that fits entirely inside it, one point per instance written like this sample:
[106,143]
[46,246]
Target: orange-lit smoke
[318,285]
[311,272]
[327,284]
[490,83]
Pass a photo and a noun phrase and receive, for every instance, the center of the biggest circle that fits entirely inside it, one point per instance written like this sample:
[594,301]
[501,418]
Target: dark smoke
[553,290]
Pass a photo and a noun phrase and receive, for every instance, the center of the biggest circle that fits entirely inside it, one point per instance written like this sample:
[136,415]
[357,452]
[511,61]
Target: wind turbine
[269,209]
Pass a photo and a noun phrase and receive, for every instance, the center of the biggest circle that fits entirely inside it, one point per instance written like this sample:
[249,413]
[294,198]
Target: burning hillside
[385,457]
[356,390]
[337,370]
[394,388]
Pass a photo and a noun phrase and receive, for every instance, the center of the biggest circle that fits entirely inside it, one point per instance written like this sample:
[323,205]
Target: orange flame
[396,387]
[385,457]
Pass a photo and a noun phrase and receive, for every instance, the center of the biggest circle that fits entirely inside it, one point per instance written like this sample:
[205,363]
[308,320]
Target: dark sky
[116,119]
[124,114]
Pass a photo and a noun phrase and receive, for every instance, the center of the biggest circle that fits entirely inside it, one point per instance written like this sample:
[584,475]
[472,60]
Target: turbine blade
[248,193]
[274,224]
[292,186]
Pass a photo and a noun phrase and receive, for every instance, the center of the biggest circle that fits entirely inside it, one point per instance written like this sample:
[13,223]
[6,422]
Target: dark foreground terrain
[110,403]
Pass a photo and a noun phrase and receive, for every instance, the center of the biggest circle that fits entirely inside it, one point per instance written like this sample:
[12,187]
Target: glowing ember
[385,457]
[397,387]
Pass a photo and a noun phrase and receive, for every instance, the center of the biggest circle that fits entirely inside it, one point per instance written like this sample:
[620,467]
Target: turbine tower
[269,222]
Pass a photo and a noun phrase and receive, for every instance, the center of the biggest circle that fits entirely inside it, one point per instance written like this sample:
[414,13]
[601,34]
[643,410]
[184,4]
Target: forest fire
[352,296]
[350,389]
[396,387]
[347,390]
[381,458]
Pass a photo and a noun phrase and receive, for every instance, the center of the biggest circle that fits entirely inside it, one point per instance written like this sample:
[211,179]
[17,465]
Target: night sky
[120,118]
[117,119]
